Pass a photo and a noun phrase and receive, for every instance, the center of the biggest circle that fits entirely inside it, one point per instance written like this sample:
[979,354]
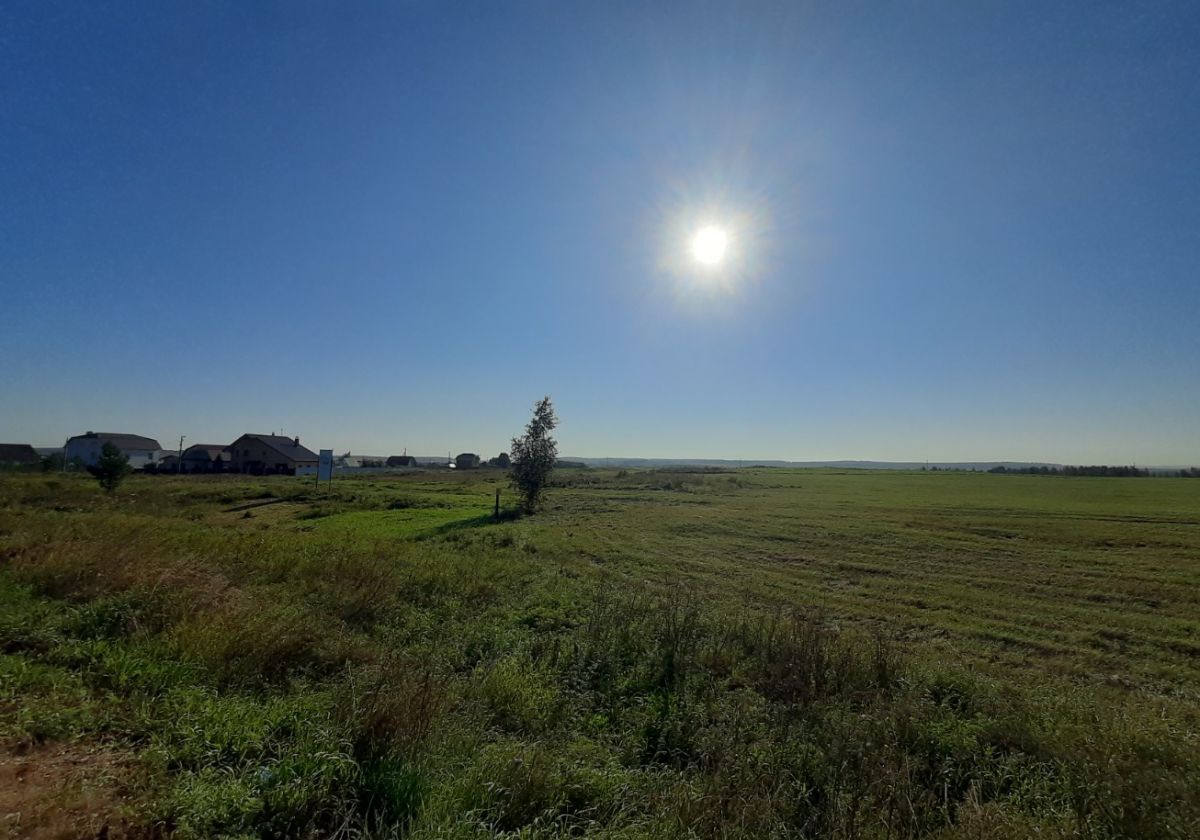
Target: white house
[141,451]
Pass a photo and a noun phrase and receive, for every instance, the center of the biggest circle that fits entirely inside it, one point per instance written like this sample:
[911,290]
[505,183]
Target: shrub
[112,467]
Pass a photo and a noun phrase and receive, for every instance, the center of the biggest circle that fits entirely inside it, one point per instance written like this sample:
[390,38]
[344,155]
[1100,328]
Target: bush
[112,468]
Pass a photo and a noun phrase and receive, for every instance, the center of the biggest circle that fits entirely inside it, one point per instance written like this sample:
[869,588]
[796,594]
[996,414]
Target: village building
[467,461]
[19,455]
[270,455]
[141,451]
[348,461]
[206,458]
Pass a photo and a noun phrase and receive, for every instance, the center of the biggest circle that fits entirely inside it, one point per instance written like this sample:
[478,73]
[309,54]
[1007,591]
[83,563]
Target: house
[349,461]
[270,455]
[206,458]
[141,451]
[402,461]
[467,461]
[19,455]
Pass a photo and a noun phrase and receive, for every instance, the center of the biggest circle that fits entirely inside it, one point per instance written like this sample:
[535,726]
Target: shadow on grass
[481,521]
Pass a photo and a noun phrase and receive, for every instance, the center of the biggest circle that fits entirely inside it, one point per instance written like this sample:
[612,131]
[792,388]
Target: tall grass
[463,685]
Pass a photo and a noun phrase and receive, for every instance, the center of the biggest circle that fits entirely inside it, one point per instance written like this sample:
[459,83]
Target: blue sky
[960,230]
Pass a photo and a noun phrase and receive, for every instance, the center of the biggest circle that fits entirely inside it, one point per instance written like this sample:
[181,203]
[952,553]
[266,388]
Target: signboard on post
[325,465]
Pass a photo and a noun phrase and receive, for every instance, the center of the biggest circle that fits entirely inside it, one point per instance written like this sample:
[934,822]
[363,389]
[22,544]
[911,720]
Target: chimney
[297,440]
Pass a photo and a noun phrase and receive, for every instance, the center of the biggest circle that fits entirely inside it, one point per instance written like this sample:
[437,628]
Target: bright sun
[710,244]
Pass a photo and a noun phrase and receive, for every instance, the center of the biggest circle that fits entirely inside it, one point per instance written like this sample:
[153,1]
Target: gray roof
[210,450]
[18,453]
[286,446]
[121,440]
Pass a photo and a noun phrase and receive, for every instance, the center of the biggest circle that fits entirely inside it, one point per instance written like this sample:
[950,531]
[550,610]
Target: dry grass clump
[161,583]
[250,642]
[391,707]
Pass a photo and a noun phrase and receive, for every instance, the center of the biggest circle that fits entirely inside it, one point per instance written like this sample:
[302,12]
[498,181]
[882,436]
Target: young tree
[533,455]
[112,467]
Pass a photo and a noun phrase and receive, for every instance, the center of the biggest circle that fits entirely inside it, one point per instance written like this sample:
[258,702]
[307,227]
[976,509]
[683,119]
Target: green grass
[655,654]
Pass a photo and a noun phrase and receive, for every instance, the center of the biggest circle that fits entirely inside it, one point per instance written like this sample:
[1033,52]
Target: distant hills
[730,463]
[980,466]
[857,465]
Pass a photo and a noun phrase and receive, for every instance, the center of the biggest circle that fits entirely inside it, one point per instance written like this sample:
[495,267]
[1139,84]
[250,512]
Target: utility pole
[179,466]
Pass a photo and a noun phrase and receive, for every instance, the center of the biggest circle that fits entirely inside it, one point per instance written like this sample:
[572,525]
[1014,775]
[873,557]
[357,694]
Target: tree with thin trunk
[112,467]
[534,455]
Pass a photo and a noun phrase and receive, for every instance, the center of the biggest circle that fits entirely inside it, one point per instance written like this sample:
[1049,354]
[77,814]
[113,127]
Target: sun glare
[709,245]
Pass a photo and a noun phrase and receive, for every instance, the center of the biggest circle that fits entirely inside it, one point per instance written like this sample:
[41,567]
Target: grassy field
[759,653]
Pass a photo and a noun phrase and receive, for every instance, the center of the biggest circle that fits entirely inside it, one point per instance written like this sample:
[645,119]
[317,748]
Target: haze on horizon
[954,232]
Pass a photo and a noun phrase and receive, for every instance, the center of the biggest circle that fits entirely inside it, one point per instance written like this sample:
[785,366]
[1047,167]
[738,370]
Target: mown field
[759,653]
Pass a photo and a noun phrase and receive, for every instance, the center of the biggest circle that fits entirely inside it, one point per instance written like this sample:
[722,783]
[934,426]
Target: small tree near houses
[533,456]
[112,467]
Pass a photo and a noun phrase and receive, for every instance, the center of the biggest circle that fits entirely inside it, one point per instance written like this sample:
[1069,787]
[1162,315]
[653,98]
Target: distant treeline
[1105,470]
